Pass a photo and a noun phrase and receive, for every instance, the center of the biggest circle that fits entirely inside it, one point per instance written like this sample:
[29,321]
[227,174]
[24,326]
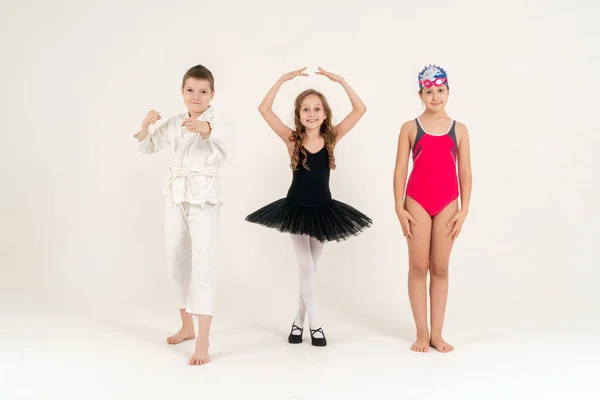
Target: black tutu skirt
[334,222]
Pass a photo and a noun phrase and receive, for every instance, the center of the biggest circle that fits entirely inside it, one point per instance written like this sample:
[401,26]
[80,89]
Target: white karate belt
[186,173]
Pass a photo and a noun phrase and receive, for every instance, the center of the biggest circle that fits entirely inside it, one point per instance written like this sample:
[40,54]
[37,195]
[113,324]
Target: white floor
[59,355]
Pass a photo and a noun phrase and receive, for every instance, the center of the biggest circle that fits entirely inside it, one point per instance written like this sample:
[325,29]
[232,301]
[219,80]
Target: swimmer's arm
[464,167]
[401,168]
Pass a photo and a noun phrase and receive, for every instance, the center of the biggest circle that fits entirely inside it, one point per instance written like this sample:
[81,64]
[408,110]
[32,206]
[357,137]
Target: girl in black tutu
[308,212]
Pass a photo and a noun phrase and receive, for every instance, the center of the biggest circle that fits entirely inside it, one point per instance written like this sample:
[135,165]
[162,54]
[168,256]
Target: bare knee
[439,270]
[419,268]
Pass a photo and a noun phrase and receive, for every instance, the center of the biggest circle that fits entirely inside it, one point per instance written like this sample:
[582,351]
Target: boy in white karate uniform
[196,140]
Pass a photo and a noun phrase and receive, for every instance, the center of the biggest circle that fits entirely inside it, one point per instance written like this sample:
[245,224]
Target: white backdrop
[82,211]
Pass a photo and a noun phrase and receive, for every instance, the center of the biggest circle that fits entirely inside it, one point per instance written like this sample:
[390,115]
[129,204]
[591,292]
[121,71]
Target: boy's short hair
[201,73]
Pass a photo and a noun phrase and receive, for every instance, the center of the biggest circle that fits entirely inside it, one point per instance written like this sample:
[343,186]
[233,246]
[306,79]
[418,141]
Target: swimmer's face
[435,98]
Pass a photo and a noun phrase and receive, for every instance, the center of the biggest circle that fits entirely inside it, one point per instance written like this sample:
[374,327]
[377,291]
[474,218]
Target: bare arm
[401,168]
[464,168]
[464,180]
[358,107]
[400,172]
[266,107]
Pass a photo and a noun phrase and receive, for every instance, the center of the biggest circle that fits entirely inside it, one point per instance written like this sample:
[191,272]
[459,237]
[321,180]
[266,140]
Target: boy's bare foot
[184,333]
[200,356]
[422,343]
[440,345]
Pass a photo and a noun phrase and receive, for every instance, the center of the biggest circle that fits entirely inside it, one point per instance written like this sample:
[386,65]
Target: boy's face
[197,95]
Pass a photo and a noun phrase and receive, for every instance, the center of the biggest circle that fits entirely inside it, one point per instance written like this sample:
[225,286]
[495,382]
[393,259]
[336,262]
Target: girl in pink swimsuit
[429,209]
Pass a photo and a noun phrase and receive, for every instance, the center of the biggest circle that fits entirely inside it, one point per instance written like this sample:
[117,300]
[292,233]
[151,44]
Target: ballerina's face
[312,112]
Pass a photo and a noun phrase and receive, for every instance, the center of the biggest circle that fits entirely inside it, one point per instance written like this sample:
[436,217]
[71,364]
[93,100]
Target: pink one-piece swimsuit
[433,181]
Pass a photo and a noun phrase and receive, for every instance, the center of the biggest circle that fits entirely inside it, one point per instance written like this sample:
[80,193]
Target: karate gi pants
[191,250]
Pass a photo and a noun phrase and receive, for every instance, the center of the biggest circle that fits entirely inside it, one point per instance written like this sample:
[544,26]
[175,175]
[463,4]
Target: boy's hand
[201,127]
[151,118]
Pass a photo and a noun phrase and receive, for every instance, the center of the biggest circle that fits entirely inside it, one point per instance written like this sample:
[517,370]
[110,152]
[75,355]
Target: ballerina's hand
[332,76]
[293,74]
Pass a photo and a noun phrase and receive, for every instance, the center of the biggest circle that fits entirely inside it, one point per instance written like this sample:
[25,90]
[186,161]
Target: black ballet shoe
[295,339]
[320,342]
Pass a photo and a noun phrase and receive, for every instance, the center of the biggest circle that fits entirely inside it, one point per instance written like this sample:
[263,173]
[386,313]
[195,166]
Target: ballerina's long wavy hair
[297,136]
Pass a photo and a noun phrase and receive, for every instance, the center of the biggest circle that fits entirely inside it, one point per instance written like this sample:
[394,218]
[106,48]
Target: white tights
[308,252]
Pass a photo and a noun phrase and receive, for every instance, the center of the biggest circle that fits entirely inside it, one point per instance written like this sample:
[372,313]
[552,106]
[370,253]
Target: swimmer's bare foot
[440,344]
[184,333]
[422,343]
[200,356]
